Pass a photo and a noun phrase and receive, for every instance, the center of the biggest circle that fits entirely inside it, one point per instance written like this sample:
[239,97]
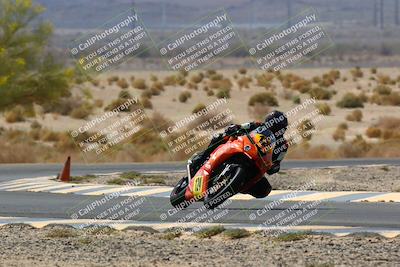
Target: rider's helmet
[276,121]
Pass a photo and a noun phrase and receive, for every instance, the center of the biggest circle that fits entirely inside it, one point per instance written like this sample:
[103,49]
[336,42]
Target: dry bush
[357,72]
[358,147]
[63,106]
[373,70]
[244,82]
[382,90]
[210,92]
[301,85]
[243,71]
[263,99]
[220,84]
[343,126]
[265,80]
[184,96]
[393,99]
[323,108]
[139,84]
[350,100]
[223,93]
[112,79]
[355,115]
[158,86]
[339,134]
[95,82]
[98,103]
[192,86]
[81,112]
[146,103]
[296,99]
[384,79]
[311,152]
[198,107]
[258,111]
[16,114]
[153,78]
[124,94]
[118,102]
[197,78]
[320,94]
[373,132]
[306,129]
[122,83]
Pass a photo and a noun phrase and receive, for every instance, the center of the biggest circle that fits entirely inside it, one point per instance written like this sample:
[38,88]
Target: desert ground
[23,245]
[360,108]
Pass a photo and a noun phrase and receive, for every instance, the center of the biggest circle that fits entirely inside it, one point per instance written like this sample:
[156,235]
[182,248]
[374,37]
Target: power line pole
[289,12]
[375,13]
[381,14]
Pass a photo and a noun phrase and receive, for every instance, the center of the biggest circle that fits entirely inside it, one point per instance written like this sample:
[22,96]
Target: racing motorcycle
[232,168]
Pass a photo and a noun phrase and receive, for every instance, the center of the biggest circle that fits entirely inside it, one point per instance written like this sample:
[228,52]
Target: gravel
[21,245]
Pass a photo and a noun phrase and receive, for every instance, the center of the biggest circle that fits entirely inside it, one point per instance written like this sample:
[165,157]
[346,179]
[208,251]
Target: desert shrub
[98,103]
[183,73]
[95,82]
[393,99]
[384,79]
[153,78]
[216,77]
[197,78]
[81,112]
[373,132]
[339,134]
[358,147]
[147,93]
[320,94]
[146,103]
[112,79]
[158,86]
[63,106]
[191,85]
[117,103]
[301,85]
[373,70]
[155,91]
[124,94]
[264,99]
[244,82]
[343,126]
[306,129]
[223,93]
[323,108]
[49,136]
[383,90]
[16,114]
[210,92]
[122,83]
[389,126]
[220,84]
[184,96]
[35,125]
[265,80]
[243,71]
[357,72]
[198,107]
[350,100]
[139,84]
[296,99]
[355,115]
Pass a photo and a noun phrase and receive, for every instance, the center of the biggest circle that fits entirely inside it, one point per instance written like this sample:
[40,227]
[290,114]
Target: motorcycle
[232,168]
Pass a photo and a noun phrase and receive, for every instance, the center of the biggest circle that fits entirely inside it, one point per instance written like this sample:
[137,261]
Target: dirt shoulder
[368,178]
[56,246]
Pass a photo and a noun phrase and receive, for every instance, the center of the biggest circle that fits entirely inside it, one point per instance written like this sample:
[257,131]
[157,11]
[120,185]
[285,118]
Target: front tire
[235,179]
[177,197]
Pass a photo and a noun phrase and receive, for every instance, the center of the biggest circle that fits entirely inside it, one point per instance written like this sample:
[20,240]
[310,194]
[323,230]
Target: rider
[276,122]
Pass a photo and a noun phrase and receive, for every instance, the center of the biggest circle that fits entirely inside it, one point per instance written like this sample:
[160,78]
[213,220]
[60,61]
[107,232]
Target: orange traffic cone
[66,171]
